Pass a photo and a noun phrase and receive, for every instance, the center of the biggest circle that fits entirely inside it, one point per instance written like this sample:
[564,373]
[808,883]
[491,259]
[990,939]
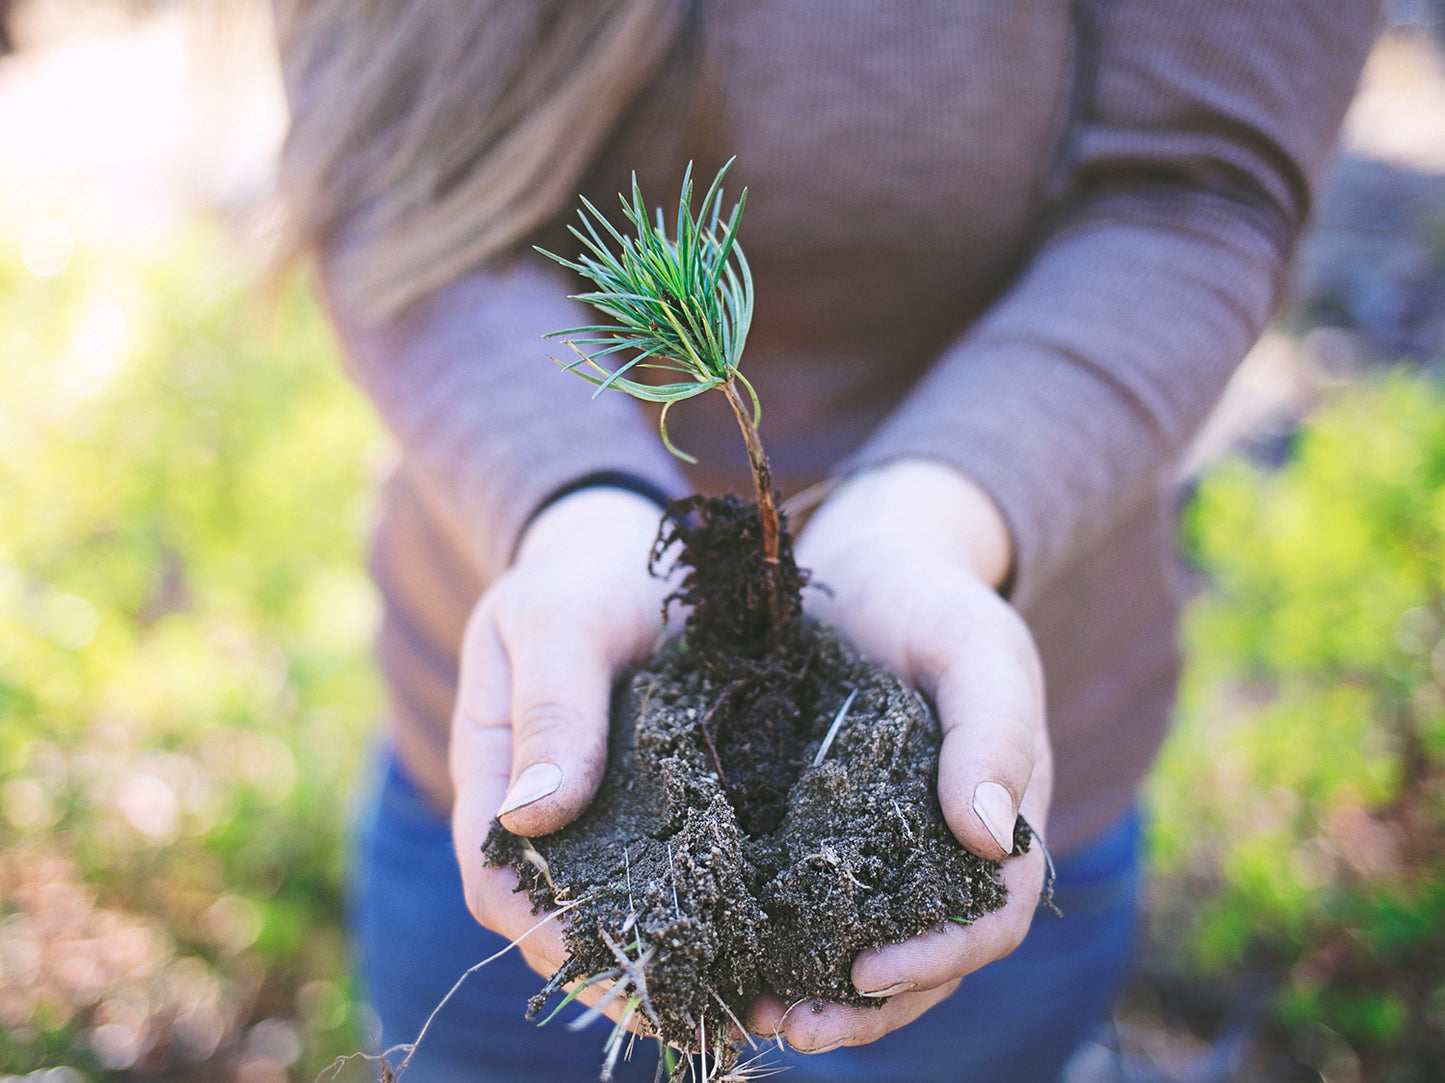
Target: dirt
[730,853]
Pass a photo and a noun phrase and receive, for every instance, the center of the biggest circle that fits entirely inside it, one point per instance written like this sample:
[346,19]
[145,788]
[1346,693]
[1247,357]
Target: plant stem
[767,503]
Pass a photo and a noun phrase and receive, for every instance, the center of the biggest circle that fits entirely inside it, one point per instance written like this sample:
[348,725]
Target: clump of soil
[746,631]
[741,842]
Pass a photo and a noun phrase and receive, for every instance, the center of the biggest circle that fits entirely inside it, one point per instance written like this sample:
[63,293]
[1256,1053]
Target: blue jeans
[1018,1019]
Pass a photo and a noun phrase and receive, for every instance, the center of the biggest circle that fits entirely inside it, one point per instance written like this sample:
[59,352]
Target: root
[537,861]
[636,971]
[1046,896]
[390,1074]
[705,727]
[733,1016]
[755,1067]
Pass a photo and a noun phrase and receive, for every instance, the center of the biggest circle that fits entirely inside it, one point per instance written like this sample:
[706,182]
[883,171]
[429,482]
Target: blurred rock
[1374,263]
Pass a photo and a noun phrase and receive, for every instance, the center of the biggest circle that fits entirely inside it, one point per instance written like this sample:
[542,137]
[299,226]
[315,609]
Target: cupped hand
[910,554]
[538,659]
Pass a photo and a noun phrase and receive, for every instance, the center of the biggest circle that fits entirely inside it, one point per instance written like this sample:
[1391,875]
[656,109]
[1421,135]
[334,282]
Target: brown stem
[767,503]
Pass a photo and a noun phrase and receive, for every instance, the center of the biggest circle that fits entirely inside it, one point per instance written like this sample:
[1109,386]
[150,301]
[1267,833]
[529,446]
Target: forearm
[1070,400]
[1181,186]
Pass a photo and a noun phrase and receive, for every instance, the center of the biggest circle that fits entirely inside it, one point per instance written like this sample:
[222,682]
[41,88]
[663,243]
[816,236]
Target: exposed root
[733,1016]
[755,1067]
[903,821]
[705,728]
[1046,896]
[390,1074]
[636,971]
[537,861]
[672,879]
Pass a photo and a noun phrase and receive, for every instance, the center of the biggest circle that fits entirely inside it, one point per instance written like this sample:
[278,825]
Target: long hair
[444,133]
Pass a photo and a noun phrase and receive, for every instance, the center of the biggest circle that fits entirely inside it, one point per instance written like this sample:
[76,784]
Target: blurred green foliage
[1300,807]
[185,691]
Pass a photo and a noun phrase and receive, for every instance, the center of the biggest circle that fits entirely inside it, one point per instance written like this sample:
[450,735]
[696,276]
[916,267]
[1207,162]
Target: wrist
[607,479]
[597,519]
[927,502]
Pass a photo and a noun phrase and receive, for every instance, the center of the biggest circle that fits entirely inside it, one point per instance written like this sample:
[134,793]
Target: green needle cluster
[680,305]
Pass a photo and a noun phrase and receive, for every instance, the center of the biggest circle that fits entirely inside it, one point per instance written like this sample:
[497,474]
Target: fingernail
[890,990]
[995,807]
[533,784]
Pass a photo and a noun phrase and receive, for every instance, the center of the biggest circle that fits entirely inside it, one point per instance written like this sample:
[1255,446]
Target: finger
[536,935]
[963,645]
[818,1027]
[989,692]
[561,686]
[479,756]
[479,759]
[951,951]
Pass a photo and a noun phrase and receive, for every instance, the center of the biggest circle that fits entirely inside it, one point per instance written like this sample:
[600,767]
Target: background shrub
[1300,807]
[184,685]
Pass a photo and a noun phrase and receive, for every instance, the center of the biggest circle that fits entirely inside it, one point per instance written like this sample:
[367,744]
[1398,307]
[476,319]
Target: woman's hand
[911,553]
[538,660]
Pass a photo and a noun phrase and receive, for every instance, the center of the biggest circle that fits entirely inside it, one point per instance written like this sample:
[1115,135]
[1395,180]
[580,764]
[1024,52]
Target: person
[1006,257]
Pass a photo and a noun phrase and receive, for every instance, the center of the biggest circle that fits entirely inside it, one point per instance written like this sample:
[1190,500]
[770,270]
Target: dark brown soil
[747,633]
[719,861]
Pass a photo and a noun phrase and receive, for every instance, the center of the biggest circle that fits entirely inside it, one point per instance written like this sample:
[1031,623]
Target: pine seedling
[681,305]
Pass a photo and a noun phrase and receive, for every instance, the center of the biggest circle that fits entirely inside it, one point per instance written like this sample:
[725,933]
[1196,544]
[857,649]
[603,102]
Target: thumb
[995,760]
[578,604]
[561,686]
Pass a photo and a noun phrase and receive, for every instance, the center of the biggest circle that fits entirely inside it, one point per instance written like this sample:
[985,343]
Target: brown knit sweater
[1028,239]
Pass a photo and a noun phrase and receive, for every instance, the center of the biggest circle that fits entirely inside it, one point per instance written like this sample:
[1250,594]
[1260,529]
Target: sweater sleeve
[489,426]
[1198,132]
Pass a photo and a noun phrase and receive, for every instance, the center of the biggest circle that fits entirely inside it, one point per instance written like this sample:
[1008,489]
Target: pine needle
[681,304]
